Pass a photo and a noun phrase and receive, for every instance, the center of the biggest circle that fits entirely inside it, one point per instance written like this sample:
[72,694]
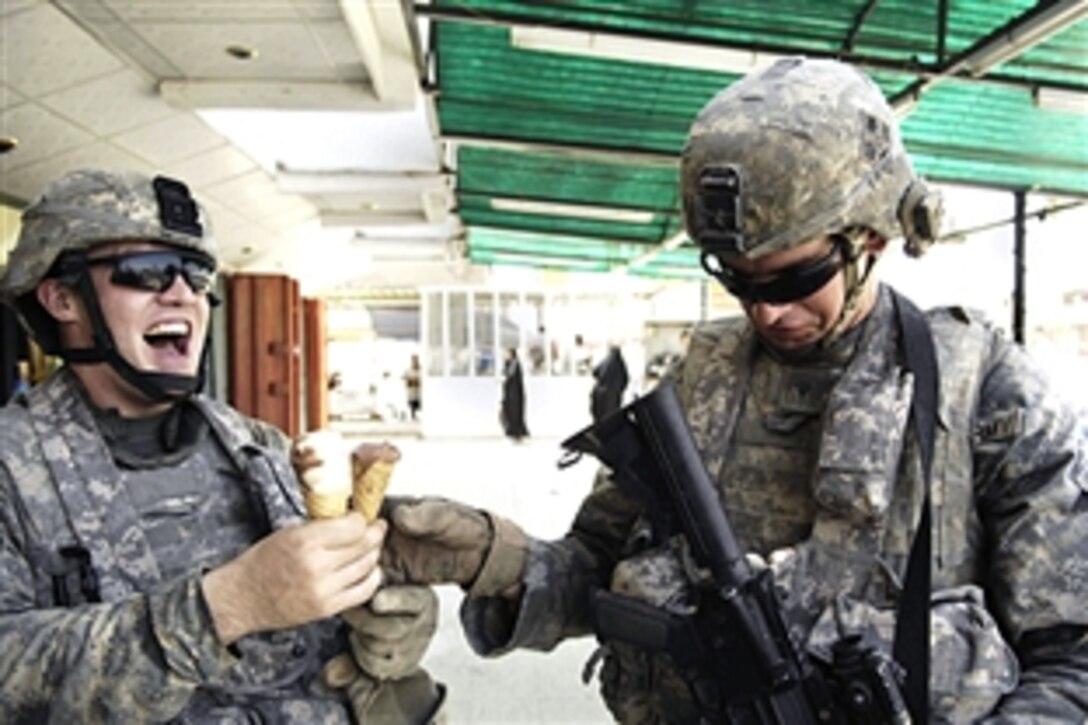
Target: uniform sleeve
[98,662]
[559,579]
[1032,478]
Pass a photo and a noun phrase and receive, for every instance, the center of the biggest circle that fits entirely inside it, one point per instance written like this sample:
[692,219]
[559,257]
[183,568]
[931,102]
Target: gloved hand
[388,637]
[390,634]
[438,541]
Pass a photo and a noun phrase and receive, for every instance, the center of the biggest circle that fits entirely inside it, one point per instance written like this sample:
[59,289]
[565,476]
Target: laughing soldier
[154,563]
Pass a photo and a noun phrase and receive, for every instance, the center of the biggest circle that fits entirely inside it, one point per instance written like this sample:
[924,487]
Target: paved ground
[520,481]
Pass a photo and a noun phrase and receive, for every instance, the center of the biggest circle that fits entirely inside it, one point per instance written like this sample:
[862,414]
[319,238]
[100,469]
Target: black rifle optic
[734,650]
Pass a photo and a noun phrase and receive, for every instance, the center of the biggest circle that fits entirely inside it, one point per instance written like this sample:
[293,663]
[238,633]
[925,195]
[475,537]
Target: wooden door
[264,330]
[316,381]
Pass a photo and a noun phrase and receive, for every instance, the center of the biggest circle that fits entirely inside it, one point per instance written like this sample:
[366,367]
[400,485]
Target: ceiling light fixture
[1061,99]
[8,143]
[537,260]
[639,50]
[242,52]
[580,211]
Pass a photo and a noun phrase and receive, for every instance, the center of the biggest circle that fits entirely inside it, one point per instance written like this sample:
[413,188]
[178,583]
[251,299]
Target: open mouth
[175,335]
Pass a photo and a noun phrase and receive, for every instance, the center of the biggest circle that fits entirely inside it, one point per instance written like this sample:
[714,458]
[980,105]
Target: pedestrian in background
[512,407]
[610,381]
[413,387]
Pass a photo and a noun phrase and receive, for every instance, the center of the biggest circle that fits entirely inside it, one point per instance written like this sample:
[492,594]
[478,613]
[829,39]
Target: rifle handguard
[505,559]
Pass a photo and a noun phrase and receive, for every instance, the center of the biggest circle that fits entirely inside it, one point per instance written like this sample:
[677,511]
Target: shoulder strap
[911,648]
[37,505]
[80,521]
[269,476]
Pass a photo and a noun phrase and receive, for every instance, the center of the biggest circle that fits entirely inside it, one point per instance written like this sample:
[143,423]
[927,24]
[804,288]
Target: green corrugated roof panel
[566,178]
[502,246]
[996,143]
[988,134]
[493,90]
[487,174]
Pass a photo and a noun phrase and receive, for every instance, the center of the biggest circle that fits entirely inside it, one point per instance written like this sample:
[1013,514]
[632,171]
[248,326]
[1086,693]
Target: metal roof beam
[674,242]
[908,67]
[592,153]
[859,20]
[1007,42]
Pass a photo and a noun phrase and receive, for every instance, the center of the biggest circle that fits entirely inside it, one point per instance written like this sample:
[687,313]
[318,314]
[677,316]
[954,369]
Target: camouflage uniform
[1009,495]
[148,651]
[109,525]
[811,445]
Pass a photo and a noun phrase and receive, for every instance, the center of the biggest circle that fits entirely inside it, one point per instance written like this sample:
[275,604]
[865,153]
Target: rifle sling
[911,648]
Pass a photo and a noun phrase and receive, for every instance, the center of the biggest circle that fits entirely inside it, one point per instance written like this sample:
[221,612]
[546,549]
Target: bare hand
[296,575]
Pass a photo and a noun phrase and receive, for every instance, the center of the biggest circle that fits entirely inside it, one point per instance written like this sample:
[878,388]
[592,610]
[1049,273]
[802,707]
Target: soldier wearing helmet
[156,564]
[142,234]
[793,182]
[800,171]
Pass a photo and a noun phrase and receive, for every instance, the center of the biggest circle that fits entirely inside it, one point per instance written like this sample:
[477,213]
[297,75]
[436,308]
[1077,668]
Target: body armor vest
[819,461]
[102,533]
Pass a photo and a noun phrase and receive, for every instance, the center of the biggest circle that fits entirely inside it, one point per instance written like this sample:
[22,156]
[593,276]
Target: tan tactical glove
[381,676]
[438,541]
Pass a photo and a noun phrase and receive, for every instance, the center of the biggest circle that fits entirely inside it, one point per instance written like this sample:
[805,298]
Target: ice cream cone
[325,505]
[372,467]
[323,462]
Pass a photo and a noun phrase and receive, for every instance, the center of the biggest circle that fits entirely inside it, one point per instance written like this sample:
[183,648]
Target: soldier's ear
[59,300]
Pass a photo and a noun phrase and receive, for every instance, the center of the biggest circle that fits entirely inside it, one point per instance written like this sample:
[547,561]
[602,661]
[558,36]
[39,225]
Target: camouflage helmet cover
[803,148]
[89,207]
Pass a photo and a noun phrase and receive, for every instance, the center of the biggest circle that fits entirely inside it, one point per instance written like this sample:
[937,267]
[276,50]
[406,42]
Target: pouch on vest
[65,576]
[971,665]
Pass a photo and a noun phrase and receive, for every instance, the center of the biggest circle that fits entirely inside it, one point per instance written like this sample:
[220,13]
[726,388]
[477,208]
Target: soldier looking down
[155,564]
[794,180]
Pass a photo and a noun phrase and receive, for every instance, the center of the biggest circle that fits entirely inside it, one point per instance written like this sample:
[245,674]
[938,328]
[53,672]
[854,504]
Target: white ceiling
[318,157]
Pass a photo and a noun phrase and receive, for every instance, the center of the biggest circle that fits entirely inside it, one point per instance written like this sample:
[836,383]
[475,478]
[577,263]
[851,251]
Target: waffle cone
[325,505]
[372,468]
[322,460]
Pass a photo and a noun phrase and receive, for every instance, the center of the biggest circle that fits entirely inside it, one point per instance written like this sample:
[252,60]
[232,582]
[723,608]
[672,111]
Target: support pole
[1019,286]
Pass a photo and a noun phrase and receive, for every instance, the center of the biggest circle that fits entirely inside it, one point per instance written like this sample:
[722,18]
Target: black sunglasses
[787,285]
[155,271]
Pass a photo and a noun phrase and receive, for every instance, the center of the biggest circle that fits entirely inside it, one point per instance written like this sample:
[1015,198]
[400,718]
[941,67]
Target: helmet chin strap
[855,277]
[157,387]
[856,269]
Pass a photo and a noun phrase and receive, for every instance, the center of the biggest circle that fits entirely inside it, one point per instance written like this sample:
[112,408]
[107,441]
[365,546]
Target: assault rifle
[734,649]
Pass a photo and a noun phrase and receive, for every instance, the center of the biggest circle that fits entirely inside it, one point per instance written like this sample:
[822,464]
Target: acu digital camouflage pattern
[818,152]
[1009,516]
[149,651]
[972,665]
[85,208]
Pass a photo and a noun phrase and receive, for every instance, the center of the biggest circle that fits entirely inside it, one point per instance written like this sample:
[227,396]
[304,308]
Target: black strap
[911,648]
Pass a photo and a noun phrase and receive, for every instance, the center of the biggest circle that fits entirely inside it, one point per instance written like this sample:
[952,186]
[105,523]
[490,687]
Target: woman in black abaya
[512,412]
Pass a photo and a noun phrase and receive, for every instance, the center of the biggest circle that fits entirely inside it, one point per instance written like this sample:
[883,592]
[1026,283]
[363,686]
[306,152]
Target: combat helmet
[79,211]
[803,148]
